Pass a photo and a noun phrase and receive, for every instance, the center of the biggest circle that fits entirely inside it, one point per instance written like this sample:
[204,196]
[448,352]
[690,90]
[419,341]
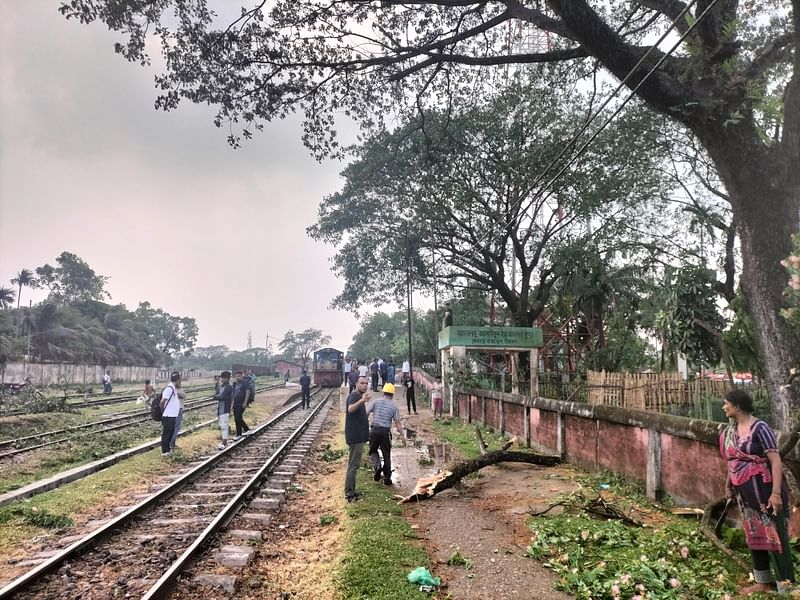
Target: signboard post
[456,340]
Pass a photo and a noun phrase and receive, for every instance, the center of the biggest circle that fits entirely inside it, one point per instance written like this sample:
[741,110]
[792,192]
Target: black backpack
[155,406]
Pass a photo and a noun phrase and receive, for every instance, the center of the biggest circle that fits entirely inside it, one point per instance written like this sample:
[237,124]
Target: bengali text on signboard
[491,337]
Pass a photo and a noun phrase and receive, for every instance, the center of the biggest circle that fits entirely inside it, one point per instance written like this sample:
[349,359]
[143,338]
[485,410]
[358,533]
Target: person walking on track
[241,394]
[305,388]
[170,407]
[356,434]
[224,398]
[384,411]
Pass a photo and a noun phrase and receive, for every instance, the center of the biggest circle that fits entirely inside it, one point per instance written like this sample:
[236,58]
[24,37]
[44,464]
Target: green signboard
[491,337]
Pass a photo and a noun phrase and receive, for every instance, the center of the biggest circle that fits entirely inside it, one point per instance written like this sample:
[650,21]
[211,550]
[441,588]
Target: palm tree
[6,297]
[24,278]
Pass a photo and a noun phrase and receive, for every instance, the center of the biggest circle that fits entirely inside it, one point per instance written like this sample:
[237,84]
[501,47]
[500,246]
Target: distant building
[281,366]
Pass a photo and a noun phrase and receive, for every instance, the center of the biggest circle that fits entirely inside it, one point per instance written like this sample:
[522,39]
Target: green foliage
[459,560]
[72,280]
[694,312]
[792,293]
[31,515]
[463,438]
[332,454]
[7,296]
[328,520]
[300,345]
[172,335]
[460,179]
[604,559]
[740,339]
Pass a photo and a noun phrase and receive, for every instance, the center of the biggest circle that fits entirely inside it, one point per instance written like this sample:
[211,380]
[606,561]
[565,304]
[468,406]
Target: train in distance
[328,367]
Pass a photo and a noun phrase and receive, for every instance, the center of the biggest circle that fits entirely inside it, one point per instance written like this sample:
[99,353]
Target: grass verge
[462,437]
[380,548]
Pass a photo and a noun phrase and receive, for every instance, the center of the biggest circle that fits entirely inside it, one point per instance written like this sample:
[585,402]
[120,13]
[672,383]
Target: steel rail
[196,405]
[165,585]
[107,530]
[125,415]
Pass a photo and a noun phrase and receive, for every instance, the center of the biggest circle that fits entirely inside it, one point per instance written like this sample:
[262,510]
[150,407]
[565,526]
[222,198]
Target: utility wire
[586,144]
[597,113]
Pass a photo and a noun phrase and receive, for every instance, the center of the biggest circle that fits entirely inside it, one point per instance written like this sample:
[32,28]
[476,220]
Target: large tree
[300,345]
[171,334]
[734,83]
[470,204]
[72,280]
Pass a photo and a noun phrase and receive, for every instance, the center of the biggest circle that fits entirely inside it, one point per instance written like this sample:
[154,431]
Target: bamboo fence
[659,392]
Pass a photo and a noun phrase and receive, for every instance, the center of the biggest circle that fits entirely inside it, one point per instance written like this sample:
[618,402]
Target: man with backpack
[170,407]
[224,398]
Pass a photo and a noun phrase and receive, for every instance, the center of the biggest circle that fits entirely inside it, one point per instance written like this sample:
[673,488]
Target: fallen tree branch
[708,531]
[428,487]
[598,507]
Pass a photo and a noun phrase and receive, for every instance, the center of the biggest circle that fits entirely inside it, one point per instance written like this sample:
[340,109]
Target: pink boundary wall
[676,456]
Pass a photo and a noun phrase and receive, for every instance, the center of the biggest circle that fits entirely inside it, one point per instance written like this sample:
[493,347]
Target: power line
[622,83]
[620,107]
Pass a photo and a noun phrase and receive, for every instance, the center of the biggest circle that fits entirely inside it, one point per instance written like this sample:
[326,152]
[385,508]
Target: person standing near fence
[437,399]
[170,407]
[755,480]
[107,387]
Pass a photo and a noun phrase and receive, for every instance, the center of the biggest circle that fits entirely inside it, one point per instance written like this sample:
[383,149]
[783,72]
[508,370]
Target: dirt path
[484,520]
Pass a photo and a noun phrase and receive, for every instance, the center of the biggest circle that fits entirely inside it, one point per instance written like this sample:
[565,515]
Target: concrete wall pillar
[534,372]
[526,424]
[654,490]
[502,416]
[514,373]
[561,436]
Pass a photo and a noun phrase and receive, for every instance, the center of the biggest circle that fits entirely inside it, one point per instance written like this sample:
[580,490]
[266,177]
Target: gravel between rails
[141,545]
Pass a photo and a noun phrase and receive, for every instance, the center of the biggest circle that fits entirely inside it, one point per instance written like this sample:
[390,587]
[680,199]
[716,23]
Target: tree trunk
[765,198]
[429,486]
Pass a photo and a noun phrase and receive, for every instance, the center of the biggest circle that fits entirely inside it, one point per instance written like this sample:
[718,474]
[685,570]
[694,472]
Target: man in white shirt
[348,367]
[363,370]
[170,408]
[406,367]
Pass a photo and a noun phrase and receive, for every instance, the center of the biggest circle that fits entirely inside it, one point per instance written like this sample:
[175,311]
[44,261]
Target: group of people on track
[232,397]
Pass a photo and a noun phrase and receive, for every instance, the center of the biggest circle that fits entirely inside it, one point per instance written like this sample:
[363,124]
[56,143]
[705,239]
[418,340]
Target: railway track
[142,552]
[103,400]
[17,446]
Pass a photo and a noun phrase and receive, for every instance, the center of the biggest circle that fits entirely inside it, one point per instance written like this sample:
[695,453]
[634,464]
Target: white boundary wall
[42,374]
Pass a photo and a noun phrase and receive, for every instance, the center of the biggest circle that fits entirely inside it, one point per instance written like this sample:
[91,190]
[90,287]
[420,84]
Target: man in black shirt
[305,388]
[356,434]
[241,394]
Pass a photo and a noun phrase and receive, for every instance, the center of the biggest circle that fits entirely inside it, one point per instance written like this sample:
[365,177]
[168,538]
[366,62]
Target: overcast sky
[156,201]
